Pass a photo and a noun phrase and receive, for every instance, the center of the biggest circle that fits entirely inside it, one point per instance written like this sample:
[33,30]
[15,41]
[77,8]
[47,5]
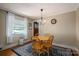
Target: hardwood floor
[7,52]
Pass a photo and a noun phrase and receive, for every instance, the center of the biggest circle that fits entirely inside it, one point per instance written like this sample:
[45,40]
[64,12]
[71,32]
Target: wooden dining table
[41,43]
[43,38]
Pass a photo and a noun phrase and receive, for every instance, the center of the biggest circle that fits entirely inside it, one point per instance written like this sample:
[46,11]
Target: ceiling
[32,10]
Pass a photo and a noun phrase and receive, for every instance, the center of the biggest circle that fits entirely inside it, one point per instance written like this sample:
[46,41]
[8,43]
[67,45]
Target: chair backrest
[51,39]
[49,42]
[47,34]
[36,44]
[35,38]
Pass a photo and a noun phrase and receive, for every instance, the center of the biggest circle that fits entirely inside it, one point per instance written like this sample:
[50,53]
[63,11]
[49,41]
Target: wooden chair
[37,47]
[47,34]
[48,44]
[35,38]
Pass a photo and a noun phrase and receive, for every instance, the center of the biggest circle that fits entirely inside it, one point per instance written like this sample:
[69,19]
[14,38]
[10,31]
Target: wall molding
[66,46]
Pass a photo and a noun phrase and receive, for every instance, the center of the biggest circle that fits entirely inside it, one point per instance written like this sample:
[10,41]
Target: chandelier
[42,20]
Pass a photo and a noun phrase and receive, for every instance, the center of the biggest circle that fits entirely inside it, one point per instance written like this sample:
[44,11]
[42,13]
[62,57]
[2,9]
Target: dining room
[39,29]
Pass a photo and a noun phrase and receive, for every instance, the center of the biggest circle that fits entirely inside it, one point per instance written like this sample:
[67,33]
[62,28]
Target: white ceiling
[32,10]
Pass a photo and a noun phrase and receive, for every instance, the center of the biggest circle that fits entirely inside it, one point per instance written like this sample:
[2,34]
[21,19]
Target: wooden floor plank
[7,52]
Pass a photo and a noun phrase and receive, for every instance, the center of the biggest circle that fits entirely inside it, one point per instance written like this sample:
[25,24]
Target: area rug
[26,50]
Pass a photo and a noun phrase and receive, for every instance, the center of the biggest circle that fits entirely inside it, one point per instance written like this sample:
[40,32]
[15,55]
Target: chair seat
[47,45]
[37,46]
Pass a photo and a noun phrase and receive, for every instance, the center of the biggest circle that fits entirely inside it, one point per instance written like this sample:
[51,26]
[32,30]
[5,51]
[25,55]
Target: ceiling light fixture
[42,20]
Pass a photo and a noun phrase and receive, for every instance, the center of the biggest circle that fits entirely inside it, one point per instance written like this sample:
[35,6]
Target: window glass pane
[16,25]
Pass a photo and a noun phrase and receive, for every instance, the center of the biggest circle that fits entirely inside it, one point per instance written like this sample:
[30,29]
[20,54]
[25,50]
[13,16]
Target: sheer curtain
[16,27]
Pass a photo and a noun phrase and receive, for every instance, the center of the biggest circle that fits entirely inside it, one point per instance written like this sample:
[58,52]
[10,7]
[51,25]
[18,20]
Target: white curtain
[16,27]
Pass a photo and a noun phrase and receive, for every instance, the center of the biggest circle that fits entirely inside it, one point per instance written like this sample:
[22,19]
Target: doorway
[36,29]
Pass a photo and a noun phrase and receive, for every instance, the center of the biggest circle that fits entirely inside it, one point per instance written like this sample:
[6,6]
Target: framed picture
[30,24]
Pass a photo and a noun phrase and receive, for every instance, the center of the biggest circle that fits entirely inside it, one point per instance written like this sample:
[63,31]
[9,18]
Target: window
[16,27]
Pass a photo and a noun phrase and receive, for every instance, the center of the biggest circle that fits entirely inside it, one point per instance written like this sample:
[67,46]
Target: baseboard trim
[66,46]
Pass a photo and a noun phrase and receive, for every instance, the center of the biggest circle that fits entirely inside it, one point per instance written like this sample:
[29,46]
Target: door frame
[33,28]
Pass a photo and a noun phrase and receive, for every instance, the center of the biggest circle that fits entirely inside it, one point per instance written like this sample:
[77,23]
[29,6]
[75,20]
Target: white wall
[64,30]
[2,28]
[77,26]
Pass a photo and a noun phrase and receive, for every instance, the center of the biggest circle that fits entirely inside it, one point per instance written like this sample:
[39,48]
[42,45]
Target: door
[36,28]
